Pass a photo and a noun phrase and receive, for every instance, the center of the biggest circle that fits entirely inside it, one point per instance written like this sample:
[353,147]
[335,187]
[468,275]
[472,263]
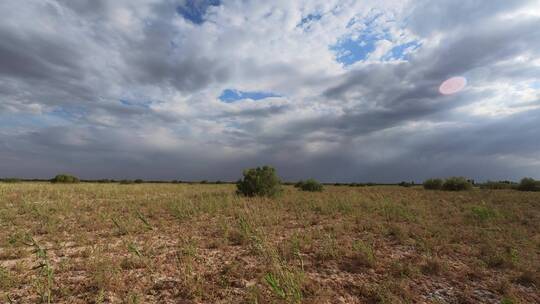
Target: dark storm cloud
[383,86]
[35,57]
[129,89]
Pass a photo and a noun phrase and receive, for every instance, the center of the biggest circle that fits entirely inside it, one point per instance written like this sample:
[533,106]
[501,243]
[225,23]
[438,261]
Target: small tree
[456,184]
[433,184]
[260,181]
[65,179]
[529,184]
[311,185]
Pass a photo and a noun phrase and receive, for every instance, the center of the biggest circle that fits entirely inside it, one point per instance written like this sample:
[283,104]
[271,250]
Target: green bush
[65,179]
[311,185]
[260,181]
[456,184]
[529,184]
[433,184]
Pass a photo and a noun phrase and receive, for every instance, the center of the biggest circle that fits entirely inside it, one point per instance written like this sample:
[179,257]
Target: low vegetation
[433,184]
[406,184]
[65,179]
[194,243]
[499,185]
[456,184]
[529,184]
[310,185]
[10,180]
[449,184]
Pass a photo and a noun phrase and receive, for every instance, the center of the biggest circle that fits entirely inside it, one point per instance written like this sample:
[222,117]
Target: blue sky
[231,95]
[358,45]
[195,10]
[337,90]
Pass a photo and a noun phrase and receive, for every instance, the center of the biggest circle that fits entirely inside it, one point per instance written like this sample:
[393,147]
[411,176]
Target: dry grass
[169,243]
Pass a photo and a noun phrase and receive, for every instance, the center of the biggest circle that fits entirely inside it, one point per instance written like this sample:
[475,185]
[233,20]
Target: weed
[329,248]
[121,229]
[496,257]
[286,284]
[275,285]
[6,280]
[483,213]
[507,301]
[44,284]
[432,266]
[363,253]
[143,219]
[133,249]
[396,212]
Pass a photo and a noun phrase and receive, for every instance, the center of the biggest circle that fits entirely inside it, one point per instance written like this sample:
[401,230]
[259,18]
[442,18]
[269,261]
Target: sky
[338,90]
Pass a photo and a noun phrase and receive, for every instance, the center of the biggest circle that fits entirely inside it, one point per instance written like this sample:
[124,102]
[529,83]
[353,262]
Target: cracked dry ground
[181,243]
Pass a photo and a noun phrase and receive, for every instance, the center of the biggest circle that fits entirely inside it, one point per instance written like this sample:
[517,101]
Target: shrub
[501,185]
[528,184]
[456,184]
[433,184]
[299,184]
[260,181]
[406,184]
[65,179]
[311,185]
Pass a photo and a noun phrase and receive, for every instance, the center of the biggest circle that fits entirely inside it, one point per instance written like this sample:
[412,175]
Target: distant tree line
[263,181]
[461,184]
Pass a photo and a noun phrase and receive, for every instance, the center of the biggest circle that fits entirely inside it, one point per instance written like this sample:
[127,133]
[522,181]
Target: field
[181,243]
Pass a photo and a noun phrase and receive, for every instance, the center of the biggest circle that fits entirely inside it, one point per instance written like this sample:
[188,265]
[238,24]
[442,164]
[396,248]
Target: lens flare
[453,85]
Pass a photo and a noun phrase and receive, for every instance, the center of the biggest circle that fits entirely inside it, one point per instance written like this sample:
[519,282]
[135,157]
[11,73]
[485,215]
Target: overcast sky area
[336,90]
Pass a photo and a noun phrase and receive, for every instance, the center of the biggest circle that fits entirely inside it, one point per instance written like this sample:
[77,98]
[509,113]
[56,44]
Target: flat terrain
[180,243]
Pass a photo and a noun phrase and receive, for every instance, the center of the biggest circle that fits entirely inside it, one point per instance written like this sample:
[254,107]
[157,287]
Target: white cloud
[81,58]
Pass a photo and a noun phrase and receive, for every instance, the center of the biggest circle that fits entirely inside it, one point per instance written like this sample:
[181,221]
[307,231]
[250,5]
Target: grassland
[179,243]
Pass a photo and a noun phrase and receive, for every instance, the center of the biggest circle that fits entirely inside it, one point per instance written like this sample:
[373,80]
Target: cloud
[131,88]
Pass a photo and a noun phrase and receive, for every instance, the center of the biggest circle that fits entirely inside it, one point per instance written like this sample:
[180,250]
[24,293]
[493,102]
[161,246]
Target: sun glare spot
[453,85]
